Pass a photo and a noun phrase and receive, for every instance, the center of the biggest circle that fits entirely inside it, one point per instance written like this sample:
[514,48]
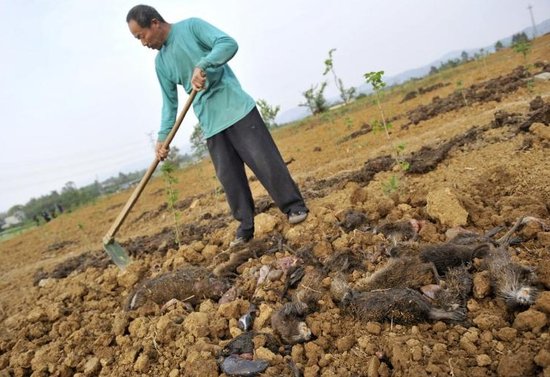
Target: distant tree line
[71,197]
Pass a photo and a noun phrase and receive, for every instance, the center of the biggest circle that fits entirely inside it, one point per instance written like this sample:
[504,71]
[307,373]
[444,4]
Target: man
[194,54]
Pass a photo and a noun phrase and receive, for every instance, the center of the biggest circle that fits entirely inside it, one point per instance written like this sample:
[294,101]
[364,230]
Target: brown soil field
[459,158]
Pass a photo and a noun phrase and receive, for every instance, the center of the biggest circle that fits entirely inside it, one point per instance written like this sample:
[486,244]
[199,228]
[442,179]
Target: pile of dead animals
[418,283]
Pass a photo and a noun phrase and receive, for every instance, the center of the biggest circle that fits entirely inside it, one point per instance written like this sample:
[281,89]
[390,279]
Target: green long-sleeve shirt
[195,43]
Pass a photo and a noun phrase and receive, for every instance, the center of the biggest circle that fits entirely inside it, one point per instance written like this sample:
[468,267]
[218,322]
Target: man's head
[147,25]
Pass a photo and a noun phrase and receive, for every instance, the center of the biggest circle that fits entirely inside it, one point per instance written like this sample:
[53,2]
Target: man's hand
[199,79]
[160,151]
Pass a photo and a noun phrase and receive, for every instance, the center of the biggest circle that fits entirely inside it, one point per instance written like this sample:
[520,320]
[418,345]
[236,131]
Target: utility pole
[533,21]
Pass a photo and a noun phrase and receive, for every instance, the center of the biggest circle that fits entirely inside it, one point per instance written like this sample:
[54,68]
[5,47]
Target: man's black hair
[143,15]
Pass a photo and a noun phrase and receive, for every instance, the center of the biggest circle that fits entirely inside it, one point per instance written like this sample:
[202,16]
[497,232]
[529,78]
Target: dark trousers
[249,142]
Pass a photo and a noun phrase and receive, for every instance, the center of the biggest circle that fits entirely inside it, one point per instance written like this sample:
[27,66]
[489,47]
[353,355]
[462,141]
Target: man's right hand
[160,151]
[198,80]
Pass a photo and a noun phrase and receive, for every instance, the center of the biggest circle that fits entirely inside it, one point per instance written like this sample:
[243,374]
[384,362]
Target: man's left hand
[160,151]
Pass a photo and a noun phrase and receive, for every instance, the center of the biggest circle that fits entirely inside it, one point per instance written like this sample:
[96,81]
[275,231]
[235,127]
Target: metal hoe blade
[117,253]
[114,250]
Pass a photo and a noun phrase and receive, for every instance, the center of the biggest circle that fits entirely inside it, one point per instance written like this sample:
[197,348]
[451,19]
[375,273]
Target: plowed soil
[473,157]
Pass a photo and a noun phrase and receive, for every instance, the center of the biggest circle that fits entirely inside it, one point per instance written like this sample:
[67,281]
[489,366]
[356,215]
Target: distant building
[13,220]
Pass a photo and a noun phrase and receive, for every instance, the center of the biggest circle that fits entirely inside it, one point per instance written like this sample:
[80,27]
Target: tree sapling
[170,180]
[268,113]
[348,94]
[375,79]
[315,99]
[460,88]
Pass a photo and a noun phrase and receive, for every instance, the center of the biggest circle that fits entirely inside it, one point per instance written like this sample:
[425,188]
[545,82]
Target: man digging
[194,54]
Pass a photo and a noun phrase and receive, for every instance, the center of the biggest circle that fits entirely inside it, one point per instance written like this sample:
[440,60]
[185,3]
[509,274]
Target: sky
[80,101]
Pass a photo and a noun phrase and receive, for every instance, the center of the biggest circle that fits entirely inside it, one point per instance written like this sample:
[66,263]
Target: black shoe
[297,217]
[240,240]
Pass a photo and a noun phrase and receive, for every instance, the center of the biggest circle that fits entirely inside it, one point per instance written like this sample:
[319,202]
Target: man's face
[151,36]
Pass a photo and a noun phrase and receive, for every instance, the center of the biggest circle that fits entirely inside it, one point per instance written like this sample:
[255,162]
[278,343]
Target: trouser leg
[255,146]
[231,174]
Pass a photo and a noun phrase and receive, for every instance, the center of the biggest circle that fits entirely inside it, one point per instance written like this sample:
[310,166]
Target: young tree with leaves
[519,37]
[522,47]
[375,79]
[346,94]
[175,157]
[168,169]
[315,99]
[198,144]
[268,113]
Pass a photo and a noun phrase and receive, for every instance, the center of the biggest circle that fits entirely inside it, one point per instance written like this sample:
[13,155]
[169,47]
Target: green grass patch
[16,230]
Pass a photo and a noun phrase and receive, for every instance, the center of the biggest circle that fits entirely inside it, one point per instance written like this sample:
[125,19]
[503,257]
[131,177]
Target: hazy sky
[79,96]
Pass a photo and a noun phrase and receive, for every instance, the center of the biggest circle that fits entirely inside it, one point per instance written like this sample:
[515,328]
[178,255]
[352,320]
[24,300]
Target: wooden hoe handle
[137,192]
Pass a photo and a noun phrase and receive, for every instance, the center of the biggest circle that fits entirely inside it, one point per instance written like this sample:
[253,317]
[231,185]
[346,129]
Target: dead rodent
[398,305]
[466,246]
[352,219]
[309,289]
[464,237]
[448,255]
[402,272]
[509,280]
[456,290]
[190,284]
[399,231]
[227,262]
[460,236]
[289,323]
[443,256]
[345,261]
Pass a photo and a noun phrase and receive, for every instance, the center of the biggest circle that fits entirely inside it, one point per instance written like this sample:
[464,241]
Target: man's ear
[154,23]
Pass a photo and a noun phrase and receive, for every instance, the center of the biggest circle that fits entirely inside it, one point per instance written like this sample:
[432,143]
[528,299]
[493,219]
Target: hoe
[117,253]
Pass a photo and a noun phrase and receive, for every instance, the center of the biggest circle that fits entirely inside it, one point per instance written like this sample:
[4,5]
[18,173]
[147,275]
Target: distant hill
[297,113]
[292,115]
[542,28]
